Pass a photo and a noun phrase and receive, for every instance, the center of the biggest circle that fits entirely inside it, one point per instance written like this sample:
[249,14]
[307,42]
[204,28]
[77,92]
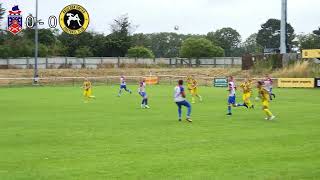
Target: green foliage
[140,52]
[83,51]
[317,32]
[227,38]
[309,41]
[2,12]
[264,65]
[269,34]
[46,36]
[119,41]
[199,47]
[72,43]
[251,46]
[5,51]
[43,50]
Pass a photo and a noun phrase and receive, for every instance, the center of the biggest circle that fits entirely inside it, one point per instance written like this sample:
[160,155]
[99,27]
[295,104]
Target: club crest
[15,20]
[74,19]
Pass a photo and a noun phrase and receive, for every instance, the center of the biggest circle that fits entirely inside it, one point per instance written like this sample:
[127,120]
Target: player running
[87,90]
[264,95]
[143,94]
[193,88]
[232,95]
[268,84]
[246,87]
[123,85]
[180,100]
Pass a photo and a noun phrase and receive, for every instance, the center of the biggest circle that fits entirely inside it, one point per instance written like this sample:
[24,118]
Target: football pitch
[50,133]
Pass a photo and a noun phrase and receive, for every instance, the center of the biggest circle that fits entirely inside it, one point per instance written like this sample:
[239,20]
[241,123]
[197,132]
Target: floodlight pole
[35,77]
[283,31]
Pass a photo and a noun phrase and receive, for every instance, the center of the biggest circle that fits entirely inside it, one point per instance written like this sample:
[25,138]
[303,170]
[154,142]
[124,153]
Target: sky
[192,16]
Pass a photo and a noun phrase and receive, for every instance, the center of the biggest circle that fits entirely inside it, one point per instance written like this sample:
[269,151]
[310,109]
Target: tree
[269,34]
[71,43]
[198,48]
[227,38]
[251,46]
[317,32]
[140,52]
[119,41]
[2,12]
[43,50]
[83,51]
[46,36]
[309,41]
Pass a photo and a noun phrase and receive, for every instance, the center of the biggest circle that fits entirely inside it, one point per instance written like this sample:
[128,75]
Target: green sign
[220,82]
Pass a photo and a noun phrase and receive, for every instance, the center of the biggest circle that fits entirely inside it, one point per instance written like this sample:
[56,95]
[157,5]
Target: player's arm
[183,94]
[195,84]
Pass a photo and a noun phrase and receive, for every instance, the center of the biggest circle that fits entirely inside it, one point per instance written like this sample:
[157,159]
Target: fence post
[118,62]
[46,62]
[65,62]
[8,62]
[232,62]
[84,63]
[215,62]
[27,63]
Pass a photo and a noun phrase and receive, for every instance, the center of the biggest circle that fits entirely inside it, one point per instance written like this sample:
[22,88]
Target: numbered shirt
[123,81]
[142,87]
[268,83]
[232,88]
[178,91]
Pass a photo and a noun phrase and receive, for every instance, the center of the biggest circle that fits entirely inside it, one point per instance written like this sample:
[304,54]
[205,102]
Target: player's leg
[126,89]
[179,110]
[120,91]
[143,102]
[265,108]
[146,101]
[244,96]
[248,101]
[231,102]
[193,99]
[272,94]
[188,106]
[196,92]
[89,94]
[85,96]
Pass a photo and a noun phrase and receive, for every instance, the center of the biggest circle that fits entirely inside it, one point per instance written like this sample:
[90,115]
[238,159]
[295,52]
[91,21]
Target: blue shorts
[232,100]
[123,86]
[143,94]
[183,103]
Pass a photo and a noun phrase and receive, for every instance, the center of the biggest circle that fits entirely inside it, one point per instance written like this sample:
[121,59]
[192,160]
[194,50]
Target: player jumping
[180,100]
[143,94]
[87,90]
[264,95]
[268,83]
[123,85]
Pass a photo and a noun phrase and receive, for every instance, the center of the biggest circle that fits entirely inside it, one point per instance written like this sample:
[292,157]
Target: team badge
[74,19]
[15,20]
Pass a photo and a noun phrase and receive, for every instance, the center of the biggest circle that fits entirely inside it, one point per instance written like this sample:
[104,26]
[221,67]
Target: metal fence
[114,62]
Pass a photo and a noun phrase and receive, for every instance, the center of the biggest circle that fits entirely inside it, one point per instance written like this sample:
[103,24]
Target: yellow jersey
[264,94]
[246,87]
[189,84]
[87,85]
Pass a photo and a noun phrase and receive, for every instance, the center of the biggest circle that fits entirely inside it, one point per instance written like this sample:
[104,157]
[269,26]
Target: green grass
[49,133]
